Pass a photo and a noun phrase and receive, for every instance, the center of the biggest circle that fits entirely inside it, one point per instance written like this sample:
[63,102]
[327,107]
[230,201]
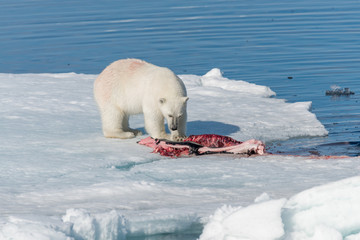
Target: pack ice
[331,211]
[61,179]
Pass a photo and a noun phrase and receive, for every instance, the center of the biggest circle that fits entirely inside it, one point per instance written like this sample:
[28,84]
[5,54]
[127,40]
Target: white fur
[132,86]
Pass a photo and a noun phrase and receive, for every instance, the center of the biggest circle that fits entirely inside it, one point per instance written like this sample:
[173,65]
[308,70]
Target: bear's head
[173,109]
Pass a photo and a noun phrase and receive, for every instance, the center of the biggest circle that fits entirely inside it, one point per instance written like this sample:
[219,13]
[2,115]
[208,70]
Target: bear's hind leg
[154,125]
[126,128]
[113,121]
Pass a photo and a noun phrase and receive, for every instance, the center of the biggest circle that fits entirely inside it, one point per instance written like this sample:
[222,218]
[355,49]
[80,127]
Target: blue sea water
[298,48]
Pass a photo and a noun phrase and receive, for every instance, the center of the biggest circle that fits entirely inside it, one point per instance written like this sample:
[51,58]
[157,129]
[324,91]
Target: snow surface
[61,179]
[331,211]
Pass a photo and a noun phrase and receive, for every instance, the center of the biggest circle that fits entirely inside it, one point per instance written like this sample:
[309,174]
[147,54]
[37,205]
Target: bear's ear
[162,100]
[185,99]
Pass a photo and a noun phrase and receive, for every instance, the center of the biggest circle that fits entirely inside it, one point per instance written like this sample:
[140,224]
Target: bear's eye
[170,115]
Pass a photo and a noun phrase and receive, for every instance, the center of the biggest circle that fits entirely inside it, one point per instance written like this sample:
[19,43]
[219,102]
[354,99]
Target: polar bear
[133,86]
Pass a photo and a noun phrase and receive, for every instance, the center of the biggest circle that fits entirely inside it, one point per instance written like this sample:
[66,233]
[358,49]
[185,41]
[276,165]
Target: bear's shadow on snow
[208,127]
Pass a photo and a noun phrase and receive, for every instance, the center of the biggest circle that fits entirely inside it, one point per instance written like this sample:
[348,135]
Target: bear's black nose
[173,128]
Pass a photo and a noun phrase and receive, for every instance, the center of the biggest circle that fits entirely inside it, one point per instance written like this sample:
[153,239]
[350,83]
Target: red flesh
[204,144]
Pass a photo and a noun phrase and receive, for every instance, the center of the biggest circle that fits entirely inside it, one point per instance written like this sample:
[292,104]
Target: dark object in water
[339,92]
[204,144]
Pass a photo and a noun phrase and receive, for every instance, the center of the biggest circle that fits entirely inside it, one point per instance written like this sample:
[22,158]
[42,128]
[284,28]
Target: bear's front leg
[180,134]
[175,136]
[178,138]
[154,125]
[113,122]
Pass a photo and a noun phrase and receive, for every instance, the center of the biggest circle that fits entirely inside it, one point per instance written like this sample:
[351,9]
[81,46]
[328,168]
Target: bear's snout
[173,128]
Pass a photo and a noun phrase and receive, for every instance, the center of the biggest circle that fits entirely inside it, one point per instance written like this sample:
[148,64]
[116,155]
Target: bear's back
[145,76]
[136,79]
